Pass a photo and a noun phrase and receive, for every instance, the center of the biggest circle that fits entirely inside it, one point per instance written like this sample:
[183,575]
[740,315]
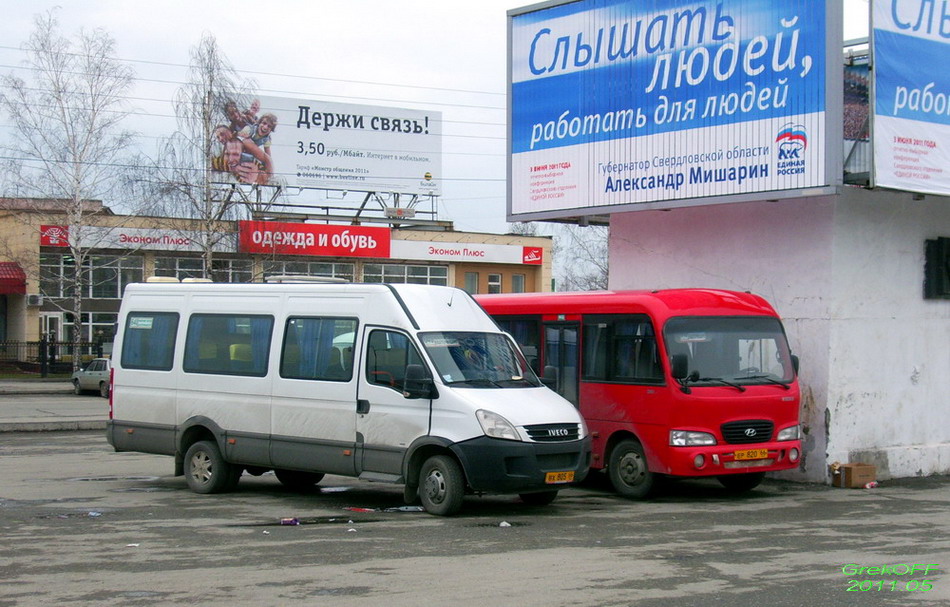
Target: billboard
[621,104]
[334,146]
[911,129]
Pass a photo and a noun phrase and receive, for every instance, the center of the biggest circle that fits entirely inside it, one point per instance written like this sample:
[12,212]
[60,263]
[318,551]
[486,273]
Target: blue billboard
[621,102]
[911,96]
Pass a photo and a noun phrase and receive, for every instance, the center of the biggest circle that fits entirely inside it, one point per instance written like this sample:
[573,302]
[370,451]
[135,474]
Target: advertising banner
[284,238]
[912,96]
[615,103]
[149,239]
[335,146]
[417,250]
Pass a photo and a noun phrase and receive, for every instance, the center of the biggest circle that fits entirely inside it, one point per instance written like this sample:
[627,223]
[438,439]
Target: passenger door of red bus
[561,354]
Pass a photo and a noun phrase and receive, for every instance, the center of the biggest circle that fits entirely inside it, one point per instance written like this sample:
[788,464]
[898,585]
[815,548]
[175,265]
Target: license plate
[752,454]
[556,478]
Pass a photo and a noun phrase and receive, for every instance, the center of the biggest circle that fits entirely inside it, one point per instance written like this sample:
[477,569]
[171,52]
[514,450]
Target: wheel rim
[631,468]
[434,486]
[201,468]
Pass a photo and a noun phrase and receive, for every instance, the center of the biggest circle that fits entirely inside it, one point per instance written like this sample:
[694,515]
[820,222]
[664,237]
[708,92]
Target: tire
[538,499]
[740,483]
[76,389]
[298,481]
[441,485]
[628,471]
[206,471]
[104,389]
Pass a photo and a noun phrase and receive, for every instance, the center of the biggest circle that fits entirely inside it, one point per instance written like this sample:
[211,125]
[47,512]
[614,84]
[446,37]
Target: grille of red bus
[553,433]
[747,431]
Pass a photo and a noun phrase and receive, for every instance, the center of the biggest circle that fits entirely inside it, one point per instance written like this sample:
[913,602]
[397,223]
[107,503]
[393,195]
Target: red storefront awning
[12,278]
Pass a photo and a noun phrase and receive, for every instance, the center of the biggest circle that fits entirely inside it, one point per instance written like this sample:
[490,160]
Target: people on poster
[242,146]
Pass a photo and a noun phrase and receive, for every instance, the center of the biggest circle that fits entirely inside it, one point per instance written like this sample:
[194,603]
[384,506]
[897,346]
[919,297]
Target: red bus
[677,383]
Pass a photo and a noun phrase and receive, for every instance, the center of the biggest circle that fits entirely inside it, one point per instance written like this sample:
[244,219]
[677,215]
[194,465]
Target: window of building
[324,269]
[471,282]
[388,354]
[318,348]
[228,344]
[517,283]
[494,283]
[621,349]
[101,277]
[98,327]
[149,340]
[400,273]
[222,270]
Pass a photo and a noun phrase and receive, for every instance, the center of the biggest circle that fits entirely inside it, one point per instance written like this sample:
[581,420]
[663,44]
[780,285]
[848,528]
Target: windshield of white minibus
[479,360]
[742,350]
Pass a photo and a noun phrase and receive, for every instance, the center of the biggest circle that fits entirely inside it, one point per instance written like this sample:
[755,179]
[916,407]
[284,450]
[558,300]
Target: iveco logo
[750,432]
[557,432]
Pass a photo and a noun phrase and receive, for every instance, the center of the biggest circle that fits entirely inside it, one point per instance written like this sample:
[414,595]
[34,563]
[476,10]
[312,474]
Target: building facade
[38,258]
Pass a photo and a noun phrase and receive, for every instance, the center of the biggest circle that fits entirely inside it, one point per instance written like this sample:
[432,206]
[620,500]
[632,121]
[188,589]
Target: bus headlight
[688,438]
[496,426]
[790,433]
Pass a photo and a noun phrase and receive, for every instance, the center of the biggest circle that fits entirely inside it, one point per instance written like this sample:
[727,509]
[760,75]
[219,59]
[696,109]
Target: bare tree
[184,177]
[68,142]
[581,256]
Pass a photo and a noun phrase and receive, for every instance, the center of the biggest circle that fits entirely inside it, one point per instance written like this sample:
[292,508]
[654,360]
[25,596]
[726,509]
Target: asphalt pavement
[25,407]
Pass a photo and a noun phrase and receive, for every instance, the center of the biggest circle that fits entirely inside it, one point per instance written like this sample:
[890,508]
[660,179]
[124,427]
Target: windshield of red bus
[742,350]
[479,360]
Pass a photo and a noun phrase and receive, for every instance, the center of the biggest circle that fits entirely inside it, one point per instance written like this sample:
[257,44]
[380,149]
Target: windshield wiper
[770,379]
[723,381]
[479,380]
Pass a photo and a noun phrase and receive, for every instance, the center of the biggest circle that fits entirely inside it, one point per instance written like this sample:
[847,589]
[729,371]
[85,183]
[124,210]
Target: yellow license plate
[752,454]
[556,478]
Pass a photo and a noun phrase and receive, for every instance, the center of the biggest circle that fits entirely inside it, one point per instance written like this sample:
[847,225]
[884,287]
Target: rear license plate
[556,478]
[752,454]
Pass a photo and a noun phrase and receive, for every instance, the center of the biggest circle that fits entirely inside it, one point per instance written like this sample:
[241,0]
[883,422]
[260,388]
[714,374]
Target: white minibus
[409,384]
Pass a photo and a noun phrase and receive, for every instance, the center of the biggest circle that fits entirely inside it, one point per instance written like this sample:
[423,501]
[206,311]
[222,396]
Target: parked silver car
[94,377]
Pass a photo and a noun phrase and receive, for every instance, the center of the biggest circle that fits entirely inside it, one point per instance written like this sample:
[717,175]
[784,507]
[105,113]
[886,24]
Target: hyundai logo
[750,432]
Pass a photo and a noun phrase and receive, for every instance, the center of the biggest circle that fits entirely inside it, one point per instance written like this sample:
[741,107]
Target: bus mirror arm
[418,384]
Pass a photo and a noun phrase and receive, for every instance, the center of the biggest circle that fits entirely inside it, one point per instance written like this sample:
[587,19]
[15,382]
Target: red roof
[12,278]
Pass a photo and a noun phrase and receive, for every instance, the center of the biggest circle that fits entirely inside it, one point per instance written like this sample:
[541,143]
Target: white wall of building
[846,275]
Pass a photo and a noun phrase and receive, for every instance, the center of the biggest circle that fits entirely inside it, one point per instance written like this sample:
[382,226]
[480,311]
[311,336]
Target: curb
[52,426]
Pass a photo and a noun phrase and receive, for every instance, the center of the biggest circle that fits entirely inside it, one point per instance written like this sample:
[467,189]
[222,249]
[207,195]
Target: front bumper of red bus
[720,459]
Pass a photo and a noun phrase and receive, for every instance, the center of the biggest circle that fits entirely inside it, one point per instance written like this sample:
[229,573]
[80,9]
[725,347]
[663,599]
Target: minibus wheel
[300,481]
[441,485]
[741,482]
[206,471]
[538,499]
[628,471]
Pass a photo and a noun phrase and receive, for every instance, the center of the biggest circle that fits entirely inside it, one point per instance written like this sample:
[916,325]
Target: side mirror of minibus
[417,384]
[795,363]
[679,364]
[549,377]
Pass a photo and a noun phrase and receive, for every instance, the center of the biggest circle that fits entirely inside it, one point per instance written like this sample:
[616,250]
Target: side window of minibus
[149,340]
[388,353]
[318,348]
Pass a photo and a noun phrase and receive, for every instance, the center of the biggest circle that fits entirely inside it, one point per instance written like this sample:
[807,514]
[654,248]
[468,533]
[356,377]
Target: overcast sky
[446,55]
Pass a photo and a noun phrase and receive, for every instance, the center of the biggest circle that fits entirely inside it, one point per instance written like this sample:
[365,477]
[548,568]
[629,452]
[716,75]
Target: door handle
[362,406]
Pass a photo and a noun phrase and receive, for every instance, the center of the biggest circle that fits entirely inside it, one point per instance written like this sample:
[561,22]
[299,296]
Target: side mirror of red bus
[549,378]
[795,363]
[679,364]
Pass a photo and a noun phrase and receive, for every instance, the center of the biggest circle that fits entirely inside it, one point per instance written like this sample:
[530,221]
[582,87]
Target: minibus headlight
[790,433]
[687,438]
[496,426]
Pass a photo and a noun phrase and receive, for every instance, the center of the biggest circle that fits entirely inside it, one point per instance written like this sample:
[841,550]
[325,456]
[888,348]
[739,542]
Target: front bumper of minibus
[715,460]
[493,465]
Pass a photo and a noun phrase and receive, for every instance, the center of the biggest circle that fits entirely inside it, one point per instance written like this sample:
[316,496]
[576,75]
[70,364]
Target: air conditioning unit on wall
[34,300]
